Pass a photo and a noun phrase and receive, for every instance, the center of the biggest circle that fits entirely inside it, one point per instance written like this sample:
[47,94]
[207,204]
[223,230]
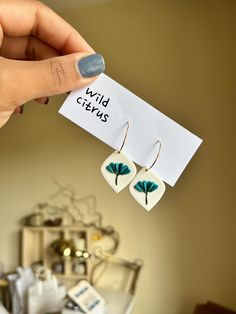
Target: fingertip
[42,100]
[91,65]
[19,110]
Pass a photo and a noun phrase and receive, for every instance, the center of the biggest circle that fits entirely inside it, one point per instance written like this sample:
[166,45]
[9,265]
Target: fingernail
[21,109]
[47,101]
[91,65]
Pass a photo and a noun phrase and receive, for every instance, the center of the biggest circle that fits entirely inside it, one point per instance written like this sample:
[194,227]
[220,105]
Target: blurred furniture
[116,280]
[37,247]
[4,294]
[212,308]
[3,310]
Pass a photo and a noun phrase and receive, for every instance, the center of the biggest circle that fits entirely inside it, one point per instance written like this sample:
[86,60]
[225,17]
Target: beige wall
[180,57]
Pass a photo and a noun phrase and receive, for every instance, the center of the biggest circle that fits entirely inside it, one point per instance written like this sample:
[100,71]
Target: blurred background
[180,57]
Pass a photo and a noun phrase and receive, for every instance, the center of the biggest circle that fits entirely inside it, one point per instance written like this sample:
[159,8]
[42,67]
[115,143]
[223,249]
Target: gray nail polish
[91,65]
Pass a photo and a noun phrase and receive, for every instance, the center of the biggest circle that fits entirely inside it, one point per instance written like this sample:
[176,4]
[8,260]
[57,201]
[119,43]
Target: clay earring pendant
[118,170]
[147,188]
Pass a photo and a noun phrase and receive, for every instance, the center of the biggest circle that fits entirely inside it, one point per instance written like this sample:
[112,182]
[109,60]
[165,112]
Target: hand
[40,55]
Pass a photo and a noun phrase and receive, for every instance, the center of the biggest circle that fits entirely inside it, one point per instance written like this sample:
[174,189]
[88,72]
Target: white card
[103,109]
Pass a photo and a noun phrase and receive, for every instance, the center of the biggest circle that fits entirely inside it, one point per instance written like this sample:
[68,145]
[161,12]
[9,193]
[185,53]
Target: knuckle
[58,73]
[38,4]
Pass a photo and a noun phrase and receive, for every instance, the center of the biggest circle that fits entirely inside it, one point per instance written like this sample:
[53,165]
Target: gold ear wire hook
[126,133]
[158,153]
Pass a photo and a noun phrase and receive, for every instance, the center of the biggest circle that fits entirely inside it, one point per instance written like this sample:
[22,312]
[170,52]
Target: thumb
[57,75]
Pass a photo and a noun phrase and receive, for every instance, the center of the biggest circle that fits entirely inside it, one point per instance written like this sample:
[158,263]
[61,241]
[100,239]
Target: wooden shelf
[36,242]
[69,277]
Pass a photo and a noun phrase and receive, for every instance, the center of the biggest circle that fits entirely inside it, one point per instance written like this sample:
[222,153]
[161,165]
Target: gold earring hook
[126,133]
[158,153]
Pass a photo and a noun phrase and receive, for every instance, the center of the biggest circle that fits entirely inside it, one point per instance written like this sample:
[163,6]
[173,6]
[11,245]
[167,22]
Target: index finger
[27,17]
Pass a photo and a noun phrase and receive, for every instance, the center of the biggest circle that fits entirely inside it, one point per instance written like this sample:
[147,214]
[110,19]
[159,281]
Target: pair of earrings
[119,171]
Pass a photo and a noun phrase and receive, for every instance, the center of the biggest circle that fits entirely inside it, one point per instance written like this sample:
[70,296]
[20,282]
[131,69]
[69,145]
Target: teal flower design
[146,187]
[118,169]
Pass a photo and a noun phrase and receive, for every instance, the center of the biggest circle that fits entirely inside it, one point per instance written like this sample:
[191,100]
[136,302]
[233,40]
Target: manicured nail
[46,101]
[21,109]
[91,65]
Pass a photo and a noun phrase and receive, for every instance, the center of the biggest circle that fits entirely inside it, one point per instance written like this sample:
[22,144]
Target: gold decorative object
[64,248]
[97,236]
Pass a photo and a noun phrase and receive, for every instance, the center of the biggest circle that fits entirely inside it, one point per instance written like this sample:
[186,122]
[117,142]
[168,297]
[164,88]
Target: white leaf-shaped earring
[118,170]
[147,188]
